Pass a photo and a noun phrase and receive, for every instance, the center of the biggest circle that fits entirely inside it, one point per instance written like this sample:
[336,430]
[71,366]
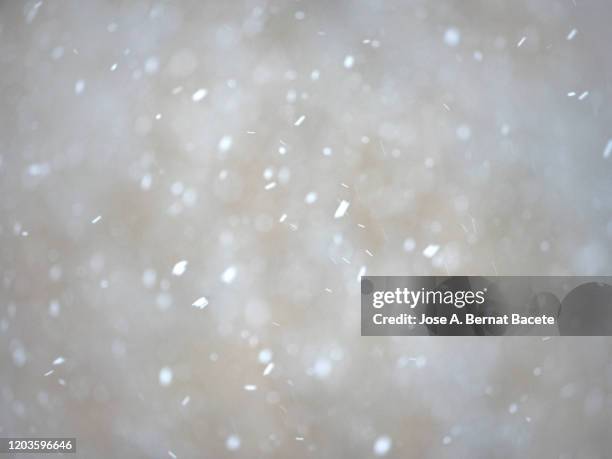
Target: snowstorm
[191,191]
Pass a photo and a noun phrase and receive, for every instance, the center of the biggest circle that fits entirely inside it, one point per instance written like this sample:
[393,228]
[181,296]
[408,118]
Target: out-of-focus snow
[263,156]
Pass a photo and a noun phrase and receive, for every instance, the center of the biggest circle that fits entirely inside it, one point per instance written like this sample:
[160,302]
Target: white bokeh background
[227,134]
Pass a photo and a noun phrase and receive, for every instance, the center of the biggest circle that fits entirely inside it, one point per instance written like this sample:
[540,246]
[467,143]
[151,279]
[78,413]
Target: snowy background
[179,267]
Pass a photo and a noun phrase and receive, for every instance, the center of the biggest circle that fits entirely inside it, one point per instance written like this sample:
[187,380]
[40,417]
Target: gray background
[476,148]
